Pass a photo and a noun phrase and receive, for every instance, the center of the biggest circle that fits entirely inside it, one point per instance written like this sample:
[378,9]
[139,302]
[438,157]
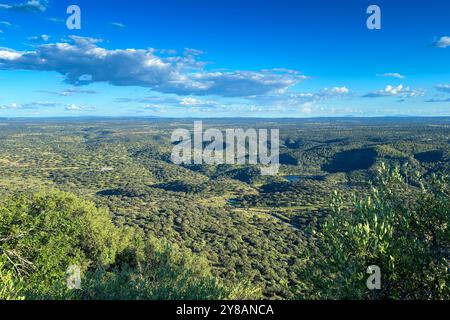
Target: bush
[42,235]
[402,229]
[162,271]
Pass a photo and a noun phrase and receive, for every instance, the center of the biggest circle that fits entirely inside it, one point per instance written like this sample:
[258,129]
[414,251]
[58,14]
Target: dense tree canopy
[251,230]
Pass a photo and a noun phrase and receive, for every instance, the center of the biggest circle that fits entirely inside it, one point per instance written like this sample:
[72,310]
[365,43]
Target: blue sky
[219,58]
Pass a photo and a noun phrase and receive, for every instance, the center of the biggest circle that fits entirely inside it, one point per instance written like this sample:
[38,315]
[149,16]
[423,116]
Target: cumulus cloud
[398,91]
[8,55]
[82,61]
[28,6]
[442,42]
[229,84]
[392,75]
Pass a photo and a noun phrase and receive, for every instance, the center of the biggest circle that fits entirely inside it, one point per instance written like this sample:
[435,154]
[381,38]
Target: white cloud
[174,102]
[393,75]
[190,102]
[8,55]
[82,61]
[443,42]
[118,25]
[307,107]
[42,37]
[335,91]
[75,107]
[28,6]
[304,102]
[11,106]
[27,106]
[395,91]
[200,103]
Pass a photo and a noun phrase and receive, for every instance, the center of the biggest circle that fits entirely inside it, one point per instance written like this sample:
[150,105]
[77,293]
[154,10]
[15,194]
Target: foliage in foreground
[402,229]
[42,235]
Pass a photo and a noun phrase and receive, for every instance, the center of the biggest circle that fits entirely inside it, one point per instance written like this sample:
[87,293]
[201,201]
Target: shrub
[43,234]
[404,230]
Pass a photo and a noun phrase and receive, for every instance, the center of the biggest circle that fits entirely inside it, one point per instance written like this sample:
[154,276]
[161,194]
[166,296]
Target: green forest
[103,195]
